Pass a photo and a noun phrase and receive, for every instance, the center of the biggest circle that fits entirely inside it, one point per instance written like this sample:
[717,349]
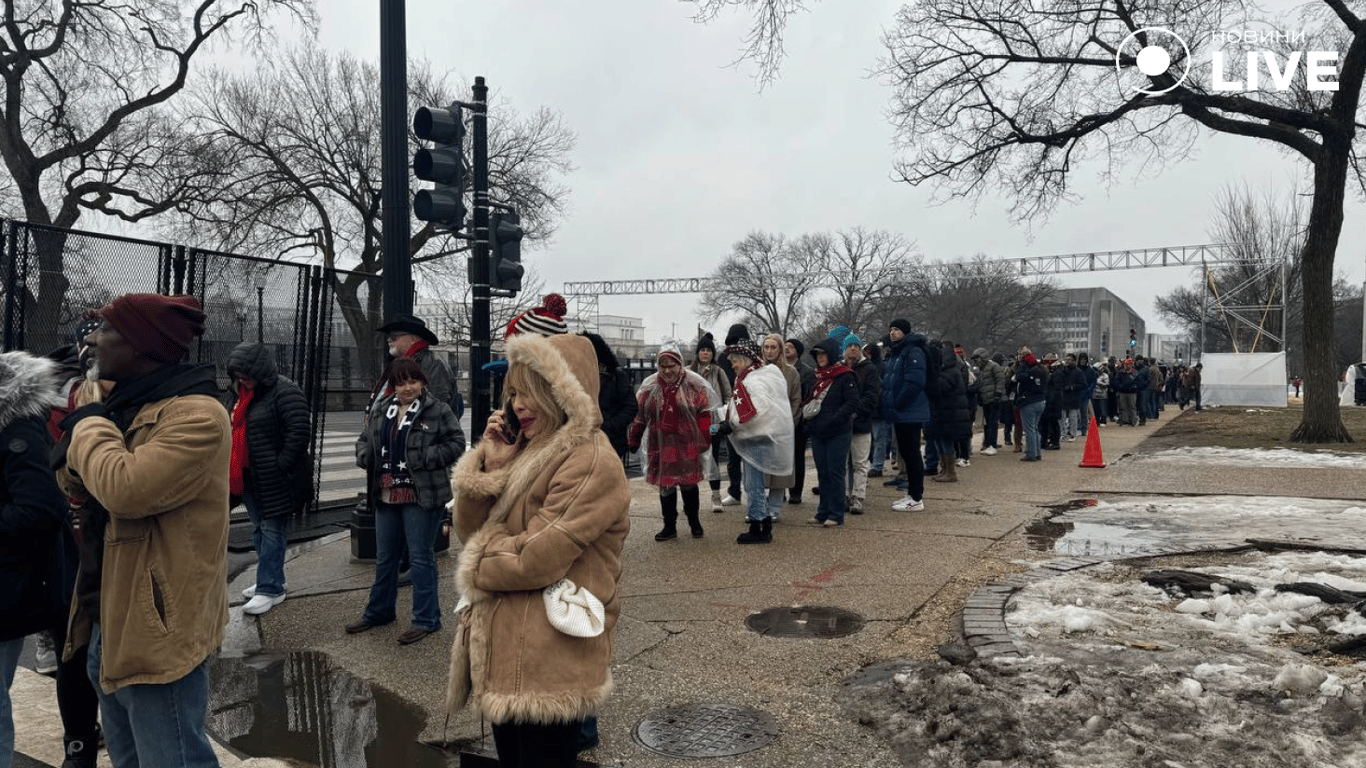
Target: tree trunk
[1322,421]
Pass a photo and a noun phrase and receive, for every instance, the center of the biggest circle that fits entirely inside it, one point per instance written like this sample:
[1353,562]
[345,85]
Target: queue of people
[147,459]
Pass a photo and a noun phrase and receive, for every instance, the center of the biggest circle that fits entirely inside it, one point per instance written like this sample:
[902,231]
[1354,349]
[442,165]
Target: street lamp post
[260,308]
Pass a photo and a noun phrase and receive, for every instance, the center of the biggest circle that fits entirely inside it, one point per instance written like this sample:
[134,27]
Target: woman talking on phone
[542,505]
[407,446]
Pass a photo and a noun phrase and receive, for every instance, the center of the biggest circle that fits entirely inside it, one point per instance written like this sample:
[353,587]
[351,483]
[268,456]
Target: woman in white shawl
[759,419]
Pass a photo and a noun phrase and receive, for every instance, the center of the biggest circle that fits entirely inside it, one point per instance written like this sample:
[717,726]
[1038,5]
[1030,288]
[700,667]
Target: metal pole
[1204,306]
[260,311]
[393,86]
[480,389]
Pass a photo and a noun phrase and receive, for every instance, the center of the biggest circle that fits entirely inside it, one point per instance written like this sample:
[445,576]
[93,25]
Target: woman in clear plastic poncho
[673,421]
[759,418]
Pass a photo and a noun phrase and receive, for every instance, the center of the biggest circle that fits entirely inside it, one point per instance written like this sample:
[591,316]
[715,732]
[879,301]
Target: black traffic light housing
[1133,338]
[443,164]
[505,252]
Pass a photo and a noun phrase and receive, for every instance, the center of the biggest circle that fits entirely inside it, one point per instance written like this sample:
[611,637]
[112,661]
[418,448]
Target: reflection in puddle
[298,706]
[1062,533]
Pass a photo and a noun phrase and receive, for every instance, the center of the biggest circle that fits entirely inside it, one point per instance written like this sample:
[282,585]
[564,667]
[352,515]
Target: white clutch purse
[574,610]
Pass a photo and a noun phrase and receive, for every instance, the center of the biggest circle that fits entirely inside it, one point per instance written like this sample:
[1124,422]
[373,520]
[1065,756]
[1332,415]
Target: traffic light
[505,251]
[442,164]
[1133,338]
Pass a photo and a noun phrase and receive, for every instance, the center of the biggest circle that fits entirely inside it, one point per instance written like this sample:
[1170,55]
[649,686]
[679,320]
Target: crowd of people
[855,405]
[122,461]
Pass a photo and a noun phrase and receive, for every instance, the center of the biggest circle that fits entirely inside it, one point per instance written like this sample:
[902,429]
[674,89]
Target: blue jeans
[9,662]
[156,726]
[1070,422]
[417,525]
[1029,421]
[1098,404]
[830,455]
[760,503]
[270,538]
[882,438]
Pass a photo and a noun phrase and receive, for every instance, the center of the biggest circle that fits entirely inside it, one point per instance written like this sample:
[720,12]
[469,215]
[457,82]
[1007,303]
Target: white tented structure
[1251,378]
[1352,378]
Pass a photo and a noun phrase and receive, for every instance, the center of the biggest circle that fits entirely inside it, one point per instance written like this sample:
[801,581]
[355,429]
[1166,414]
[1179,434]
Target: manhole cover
[706,730]
[805,621]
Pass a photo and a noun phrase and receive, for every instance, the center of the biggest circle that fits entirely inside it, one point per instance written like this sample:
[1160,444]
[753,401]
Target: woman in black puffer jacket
[950,415]
[270,473]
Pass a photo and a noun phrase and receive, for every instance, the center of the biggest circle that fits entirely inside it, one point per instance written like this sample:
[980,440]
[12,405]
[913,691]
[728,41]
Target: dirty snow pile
[1118,673]
[1255,457]
[1146,525]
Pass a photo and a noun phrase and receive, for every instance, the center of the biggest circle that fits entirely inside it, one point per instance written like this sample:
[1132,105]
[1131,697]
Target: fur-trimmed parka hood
[569,363]
[29,386]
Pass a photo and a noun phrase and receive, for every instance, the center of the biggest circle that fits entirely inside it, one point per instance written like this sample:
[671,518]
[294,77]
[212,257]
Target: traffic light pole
[480,389]
[397,282]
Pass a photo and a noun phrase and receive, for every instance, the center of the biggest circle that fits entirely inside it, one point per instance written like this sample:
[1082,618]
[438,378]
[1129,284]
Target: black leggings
[537,746]
[76,698]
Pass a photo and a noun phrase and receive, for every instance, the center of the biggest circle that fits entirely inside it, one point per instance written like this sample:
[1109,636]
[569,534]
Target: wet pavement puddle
[299,706]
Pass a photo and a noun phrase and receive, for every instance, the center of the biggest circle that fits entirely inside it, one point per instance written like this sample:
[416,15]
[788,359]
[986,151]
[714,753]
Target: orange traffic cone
[1092,456]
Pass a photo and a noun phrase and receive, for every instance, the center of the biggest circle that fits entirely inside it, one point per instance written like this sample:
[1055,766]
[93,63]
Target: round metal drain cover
[706,730]
[805,621]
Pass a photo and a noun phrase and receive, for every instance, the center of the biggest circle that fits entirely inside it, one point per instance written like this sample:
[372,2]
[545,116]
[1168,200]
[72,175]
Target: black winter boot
[81,752]
[692,502]
[755,534]
[766,531]
[668,505]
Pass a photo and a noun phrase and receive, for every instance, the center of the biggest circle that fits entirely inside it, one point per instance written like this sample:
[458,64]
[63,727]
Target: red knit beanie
[159,327]
[546,320]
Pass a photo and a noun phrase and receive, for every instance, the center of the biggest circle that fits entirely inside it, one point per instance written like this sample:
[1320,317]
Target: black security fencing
[308,316]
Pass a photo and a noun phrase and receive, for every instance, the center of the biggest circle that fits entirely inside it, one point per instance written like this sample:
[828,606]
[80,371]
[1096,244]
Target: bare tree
[1013,96]
[764,42]
[866,267]
[957,68]
[83,125]
[978,302]
[768,280]
[297,182]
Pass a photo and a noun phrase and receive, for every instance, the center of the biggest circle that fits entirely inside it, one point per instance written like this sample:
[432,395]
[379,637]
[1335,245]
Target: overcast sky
[679,154]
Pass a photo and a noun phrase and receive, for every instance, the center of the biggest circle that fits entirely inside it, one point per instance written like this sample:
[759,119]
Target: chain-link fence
[318,323]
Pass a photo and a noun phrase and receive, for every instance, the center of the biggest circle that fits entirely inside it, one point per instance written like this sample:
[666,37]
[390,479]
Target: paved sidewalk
[683,639]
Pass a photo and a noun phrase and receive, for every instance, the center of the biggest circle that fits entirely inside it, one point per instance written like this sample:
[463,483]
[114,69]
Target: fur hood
[29,386]
[570,365]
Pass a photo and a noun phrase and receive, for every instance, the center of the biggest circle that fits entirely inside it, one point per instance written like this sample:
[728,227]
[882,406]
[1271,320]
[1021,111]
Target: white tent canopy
[1251,378]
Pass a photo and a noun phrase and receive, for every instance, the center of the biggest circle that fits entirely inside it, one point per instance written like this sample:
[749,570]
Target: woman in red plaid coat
[674,424]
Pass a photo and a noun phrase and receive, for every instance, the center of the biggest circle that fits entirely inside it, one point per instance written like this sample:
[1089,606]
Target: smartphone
[512,427]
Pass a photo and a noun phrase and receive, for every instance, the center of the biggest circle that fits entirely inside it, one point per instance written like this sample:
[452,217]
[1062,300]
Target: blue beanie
[851,339]
[839,332]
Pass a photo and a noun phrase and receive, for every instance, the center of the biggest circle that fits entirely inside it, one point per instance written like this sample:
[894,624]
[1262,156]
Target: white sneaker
[990,450]
[250,592]
[963,463]
[259,604]
[908,504]
[729,501]
[1071,438]
[45,657]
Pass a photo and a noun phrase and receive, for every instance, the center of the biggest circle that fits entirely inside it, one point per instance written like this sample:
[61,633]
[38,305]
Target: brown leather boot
[948,472]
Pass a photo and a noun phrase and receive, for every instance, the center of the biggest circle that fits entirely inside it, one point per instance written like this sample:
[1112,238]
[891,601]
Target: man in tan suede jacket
[154,454]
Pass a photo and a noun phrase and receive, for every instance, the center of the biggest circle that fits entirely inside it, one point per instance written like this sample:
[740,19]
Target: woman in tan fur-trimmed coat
[550,503]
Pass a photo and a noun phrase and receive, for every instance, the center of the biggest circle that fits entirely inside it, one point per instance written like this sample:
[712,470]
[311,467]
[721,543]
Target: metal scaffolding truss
[587,294]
